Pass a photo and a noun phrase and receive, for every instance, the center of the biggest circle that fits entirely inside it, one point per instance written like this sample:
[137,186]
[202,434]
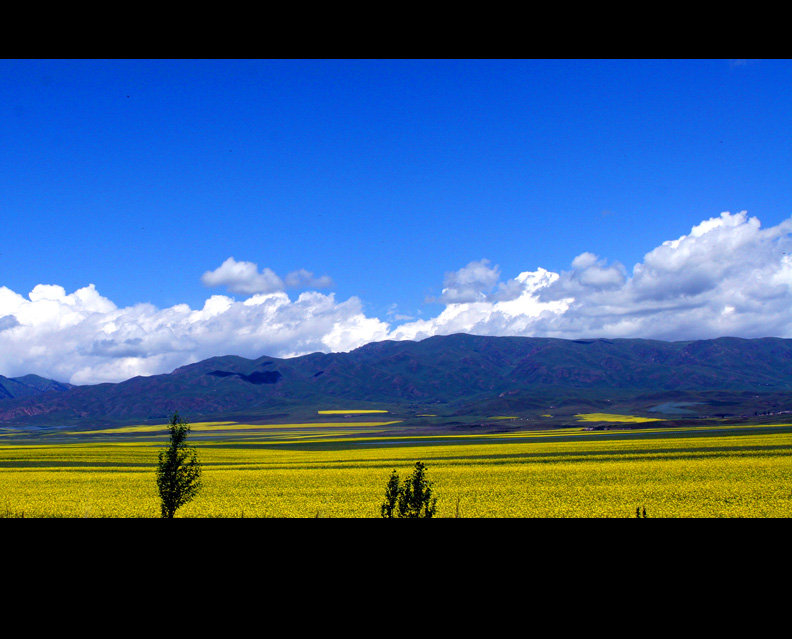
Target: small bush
[412,499]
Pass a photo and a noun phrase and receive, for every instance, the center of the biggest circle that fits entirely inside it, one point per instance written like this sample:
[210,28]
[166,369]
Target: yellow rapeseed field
[328,471]
[609,417]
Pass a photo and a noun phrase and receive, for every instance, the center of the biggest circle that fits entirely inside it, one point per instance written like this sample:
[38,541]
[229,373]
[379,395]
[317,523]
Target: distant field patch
[503,417]
[608,417]
[349,412]
[204,427]
[148,428]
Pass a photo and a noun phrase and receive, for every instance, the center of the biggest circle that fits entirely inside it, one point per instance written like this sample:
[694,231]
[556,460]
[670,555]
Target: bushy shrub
[411,499]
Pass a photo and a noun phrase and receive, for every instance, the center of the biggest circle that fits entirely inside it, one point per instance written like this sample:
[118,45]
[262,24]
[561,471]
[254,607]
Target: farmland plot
[329,471]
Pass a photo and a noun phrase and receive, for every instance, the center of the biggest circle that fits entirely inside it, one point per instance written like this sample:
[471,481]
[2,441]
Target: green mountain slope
[464,373]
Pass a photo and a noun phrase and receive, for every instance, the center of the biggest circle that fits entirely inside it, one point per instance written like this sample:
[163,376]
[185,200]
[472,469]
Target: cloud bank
[728,276]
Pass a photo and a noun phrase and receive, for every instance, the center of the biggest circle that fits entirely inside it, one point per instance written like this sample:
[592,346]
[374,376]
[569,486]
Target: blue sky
[403,189]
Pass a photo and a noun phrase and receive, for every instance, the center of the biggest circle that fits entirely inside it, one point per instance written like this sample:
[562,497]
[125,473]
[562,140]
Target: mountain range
[455,376]
[28,385]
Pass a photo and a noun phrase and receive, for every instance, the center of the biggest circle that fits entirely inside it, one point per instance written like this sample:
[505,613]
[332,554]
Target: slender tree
[388,507]
[179,471]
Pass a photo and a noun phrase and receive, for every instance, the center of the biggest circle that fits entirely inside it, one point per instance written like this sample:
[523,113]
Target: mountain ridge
[464,373]
[27,385]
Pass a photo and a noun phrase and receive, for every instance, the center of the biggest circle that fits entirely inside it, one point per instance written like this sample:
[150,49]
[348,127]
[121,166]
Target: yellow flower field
[608,417]
[328,472]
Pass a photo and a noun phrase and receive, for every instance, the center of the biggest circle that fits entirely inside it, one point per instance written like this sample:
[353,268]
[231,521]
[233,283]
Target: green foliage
[179,471]
[411,499]
[388,507]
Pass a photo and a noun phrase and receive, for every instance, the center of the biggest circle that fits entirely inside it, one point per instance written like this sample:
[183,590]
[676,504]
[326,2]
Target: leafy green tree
[411,499]
[415,496]
[388,507]
[179,471]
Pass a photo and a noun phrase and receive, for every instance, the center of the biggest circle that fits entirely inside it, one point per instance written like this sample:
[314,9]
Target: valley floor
[338,469]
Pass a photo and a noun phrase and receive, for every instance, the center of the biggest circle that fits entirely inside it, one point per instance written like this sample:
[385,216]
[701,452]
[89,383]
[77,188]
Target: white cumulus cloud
[469,284]
[246,279]
[305,279]
[727,276]
[243,277]
[83,338]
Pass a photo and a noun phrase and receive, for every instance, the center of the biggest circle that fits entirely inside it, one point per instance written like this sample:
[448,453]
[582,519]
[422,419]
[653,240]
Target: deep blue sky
[139,176]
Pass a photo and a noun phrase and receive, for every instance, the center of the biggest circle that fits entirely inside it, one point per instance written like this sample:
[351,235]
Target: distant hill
[28,385]
[463,373]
